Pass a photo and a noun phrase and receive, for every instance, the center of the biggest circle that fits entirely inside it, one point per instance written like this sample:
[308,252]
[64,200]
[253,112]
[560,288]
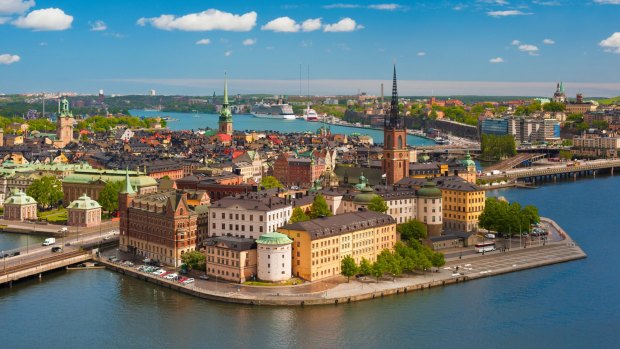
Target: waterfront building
[225,121]
[19,206]
[395,153]
[249,215]
[595,146]
[231,258]
[84,212]
[320,244]
[274,253]
[91,182]
[64,125]
[523,129]
[159,226]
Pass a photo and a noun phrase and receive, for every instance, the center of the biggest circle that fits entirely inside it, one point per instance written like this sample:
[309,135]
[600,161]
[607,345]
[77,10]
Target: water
[10,241]
[570,305]
[186,121]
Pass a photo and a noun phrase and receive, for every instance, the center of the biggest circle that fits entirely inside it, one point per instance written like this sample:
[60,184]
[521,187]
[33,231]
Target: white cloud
[311,24]
[249,42]
[548,42]
[421,54]
[532,50]
[498,14]
[4,20]
[607,2]
[98,26]
[547,3]
[47,19]
[9,59]
[612,43]
[227,53]
[282,25]
[211,19]
[332,6]
[496,60]
[15,6]
[495,2]
[344,25]
[386,7]
[203,42]
[515,42]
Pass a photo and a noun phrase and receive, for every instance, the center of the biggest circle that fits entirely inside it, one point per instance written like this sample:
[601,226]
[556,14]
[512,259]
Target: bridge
[515,161]
[41,260]
[568,170]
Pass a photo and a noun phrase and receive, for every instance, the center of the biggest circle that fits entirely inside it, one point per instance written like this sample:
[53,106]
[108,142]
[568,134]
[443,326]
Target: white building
[249,215]
[274,257]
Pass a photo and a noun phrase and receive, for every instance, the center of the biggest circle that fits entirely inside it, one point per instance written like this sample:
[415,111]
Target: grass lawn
[293,281]
[54,216]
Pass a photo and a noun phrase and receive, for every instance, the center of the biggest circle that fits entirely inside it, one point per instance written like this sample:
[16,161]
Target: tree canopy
[195,260]
[348,267]
[298,215]
[377,204]
[47,191]
[108,197]
[319,207]
[506,218]
[498,147]
[412,230]
[270,182]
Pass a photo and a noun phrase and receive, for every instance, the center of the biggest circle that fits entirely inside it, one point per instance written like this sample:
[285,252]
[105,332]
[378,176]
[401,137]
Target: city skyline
[485,47]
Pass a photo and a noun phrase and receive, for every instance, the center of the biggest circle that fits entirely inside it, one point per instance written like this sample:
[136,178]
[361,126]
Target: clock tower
[395,152]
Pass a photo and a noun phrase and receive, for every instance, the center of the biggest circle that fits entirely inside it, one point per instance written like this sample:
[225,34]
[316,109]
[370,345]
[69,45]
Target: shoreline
[472,267]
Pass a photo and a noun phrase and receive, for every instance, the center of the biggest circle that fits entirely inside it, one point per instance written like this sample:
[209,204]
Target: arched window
[400,142]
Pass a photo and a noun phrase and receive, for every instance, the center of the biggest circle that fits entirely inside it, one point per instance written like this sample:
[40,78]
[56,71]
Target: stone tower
[225,122]
[125,197]
[64,125]
[395,153]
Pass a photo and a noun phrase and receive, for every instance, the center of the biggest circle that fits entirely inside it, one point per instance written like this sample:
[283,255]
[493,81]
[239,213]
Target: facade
[395,164]
[64,126]
[19,206]
[319,245]
[160,226]
[274,253]
[596,147]
[523,129]
[84,212]
[430,208]
[249,215]
[91,182]
[463,203]
[225,121]
[231,258]
[294,171]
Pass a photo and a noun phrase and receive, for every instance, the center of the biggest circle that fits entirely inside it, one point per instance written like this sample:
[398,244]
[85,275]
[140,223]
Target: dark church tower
[395,152]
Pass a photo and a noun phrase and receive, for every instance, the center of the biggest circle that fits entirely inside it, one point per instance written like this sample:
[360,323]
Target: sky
[440,47]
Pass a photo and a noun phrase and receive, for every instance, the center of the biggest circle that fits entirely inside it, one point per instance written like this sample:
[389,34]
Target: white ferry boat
[273,111]
[310,115]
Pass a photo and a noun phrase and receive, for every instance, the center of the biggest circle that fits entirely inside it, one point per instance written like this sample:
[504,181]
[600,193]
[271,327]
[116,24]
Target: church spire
[225,113]
[394,120]
[225,90]
[128,189]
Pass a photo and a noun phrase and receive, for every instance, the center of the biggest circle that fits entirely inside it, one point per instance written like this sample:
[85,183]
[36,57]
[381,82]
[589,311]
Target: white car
[171,276]
[489,236]
[188,281]
[159,272]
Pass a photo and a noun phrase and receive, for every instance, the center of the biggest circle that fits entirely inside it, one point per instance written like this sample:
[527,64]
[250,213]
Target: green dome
[365,196]
[274,238]
[84,203]
[468,162]
[429,190]
[18,197]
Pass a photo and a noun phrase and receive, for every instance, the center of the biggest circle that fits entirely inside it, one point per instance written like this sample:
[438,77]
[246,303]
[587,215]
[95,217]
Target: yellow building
[320,244]
[463,202]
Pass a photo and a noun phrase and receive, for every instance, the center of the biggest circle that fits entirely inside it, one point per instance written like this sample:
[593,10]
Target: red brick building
[290,170]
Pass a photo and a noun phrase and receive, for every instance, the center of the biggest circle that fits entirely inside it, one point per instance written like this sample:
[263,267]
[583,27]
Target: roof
[320,228]
[84,203]
[232,243]
[429,190]
[18,197]
[274,238]
[253,201]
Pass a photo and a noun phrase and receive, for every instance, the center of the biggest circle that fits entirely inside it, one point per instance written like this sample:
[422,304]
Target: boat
[273,111]
[310,115]
[442,141]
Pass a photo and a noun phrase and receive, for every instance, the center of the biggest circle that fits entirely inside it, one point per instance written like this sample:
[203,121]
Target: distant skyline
[443,47]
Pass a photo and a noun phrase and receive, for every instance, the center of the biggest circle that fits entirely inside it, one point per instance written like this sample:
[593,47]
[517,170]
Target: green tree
[365,267]
[379,268]
[377,204]
[195,260]
[108,197]
[507,218]
[319,207]
[566,155]
[47,191]
[298,215]
[348,267]
[270,182]
[554,107]
[412,230]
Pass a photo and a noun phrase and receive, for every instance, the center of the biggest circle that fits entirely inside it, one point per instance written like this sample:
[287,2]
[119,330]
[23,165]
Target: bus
[485,247]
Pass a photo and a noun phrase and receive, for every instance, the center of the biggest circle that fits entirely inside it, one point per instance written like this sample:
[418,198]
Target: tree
[365,267]
[377,204]
[298,215]
[319,207]
[195,260]
[566,155]
[378,268]
[412,230]
[507,218]
[270,182]
[108,197]
[554,107]
[348,267]
[47,191]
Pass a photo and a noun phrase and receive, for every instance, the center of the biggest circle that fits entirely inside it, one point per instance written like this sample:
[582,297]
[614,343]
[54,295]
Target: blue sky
[183,47]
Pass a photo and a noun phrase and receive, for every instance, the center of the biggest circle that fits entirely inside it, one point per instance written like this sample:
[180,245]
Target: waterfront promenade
[337,290]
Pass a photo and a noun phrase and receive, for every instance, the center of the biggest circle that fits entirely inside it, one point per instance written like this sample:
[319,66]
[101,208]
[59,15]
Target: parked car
[171,276]
[16,253]
[56,249]
[203,277]
[158,272]
[188,281]
[489,236]
[182,279]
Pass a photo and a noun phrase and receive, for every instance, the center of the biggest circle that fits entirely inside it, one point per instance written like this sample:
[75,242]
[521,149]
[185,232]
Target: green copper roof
[274,238]
[128,189]
[429,190]
[467,162]
[84,203]
[225,113]
[18,197]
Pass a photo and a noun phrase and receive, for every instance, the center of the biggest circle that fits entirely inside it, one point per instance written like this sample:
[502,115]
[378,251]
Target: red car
[181,279]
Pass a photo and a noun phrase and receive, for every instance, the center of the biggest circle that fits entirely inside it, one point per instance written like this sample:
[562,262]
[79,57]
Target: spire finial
[394,119]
